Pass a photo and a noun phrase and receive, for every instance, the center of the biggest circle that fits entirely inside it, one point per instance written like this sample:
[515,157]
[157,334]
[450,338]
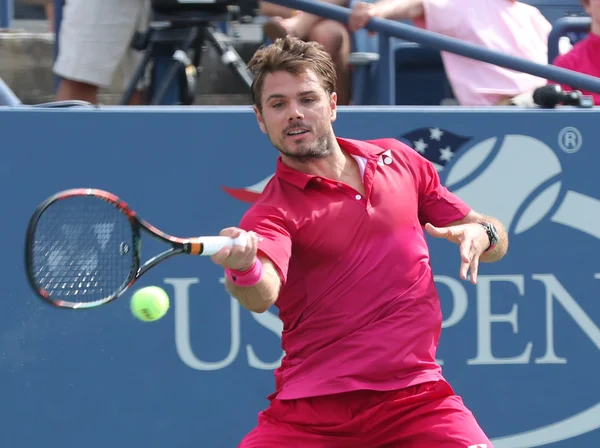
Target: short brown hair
[294,56]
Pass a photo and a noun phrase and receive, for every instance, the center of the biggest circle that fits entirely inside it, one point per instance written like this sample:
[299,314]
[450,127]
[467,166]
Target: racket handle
[213,244]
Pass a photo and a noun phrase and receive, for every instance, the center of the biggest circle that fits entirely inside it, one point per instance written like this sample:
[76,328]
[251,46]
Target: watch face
[492,232]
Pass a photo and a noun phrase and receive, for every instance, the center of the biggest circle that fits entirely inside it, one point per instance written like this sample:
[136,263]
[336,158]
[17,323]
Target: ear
[259,118]
[333,106]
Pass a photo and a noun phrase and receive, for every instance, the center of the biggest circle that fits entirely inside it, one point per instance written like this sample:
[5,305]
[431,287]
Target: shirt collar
[594,39]
[355,147]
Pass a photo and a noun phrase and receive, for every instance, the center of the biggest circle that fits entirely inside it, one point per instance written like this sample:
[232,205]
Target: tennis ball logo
[150,303]
[514,179]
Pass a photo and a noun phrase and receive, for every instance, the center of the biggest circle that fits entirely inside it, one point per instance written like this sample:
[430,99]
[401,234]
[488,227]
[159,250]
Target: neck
[595,29]
[331,167]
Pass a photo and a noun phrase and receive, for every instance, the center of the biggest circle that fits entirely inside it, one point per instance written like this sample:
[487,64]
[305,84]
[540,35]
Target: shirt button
[358,197]
[339,184]
[318,179]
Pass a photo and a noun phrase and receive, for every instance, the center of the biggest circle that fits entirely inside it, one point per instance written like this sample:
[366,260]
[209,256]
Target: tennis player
[337,244]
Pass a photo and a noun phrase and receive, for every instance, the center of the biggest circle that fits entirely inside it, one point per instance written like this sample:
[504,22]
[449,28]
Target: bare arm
[260,297]
[398,9]
[498,252]
[263,291]
[386,9]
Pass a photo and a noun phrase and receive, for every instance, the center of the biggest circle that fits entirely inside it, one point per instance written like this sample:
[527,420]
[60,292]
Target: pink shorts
[426,415]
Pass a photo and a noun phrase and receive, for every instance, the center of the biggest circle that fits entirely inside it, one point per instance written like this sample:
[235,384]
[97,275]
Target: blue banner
[521,346]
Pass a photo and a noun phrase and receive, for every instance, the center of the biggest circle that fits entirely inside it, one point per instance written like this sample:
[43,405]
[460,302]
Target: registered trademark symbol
[570,140]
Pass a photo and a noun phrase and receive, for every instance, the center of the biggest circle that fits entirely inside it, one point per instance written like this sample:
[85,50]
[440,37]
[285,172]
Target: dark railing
[58,16]
[7,96]
[6,13]
[389,28]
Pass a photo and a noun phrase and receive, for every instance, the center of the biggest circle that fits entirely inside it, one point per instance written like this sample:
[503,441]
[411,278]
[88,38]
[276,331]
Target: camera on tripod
[178,6]
[173,45]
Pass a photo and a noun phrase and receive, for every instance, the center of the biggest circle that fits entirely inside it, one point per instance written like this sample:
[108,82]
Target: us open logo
[520,180]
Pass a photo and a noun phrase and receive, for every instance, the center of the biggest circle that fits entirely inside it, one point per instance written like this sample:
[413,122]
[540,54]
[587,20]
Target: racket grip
[213,244]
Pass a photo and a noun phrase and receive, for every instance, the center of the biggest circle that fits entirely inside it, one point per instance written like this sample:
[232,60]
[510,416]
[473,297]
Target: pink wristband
[249,277]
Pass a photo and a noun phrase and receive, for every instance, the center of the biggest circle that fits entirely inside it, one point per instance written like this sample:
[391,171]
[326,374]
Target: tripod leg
[229,56]
[165,73]
[139,73]
[174,63]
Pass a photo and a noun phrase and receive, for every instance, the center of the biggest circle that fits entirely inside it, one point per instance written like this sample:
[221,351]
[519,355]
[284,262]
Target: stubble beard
[305,152]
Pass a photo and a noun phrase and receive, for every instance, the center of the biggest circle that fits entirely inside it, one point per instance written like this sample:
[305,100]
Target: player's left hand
[472,240]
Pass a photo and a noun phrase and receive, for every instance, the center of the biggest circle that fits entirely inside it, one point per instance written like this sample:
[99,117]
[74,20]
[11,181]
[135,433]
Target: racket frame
[179,246]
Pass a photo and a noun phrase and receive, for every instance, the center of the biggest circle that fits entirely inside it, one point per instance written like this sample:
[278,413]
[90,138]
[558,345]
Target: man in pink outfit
[507,26]
[336,242]
[584,57]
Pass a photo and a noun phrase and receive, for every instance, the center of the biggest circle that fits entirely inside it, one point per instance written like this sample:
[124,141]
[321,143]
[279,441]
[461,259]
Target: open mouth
[296,132]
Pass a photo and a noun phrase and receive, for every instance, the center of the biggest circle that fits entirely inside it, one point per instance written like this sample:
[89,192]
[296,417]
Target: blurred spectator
[272,10]
[584,57]
[506,26]
[331,34]
[94,40]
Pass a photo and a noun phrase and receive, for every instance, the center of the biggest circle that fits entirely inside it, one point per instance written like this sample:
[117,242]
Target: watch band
[492,234]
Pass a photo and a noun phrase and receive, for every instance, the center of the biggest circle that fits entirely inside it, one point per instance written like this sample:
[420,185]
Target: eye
[277,105]
[307,100]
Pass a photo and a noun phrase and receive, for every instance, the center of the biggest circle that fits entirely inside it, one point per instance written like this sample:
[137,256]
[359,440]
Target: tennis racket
[83,248]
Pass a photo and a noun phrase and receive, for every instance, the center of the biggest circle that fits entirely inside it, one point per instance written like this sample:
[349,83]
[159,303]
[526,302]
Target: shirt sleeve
[441,16]
[437,205]
[541,25]
[274,240]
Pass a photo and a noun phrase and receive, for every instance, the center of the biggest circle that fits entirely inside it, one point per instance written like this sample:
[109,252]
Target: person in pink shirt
[507,26]
[584,57]
[336,241]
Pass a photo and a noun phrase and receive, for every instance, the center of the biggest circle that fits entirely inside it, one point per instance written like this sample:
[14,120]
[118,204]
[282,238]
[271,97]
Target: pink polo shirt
[512,28]
[358,303]
[584,58]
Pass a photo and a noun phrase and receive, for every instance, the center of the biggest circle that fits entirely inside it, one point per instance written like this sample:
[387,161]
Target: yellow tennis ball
[150,303]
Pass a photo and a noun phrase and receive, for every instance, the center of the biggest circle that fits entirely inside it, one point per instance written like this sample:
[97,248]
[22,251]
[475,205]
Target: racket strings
[83,249]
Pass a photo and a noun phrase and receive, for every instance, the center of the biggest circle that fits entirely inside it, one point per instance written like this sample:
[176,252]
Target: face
[592,7]
[297,114]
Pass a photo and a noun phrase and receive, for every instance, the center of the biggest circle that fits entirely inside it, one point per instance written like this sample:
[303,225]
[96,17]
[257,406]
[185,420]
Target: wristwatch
[492,234]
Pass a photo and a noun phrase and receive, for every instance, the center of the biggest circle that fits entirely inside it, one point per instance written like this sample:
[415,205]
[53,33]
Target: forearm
[306,22]
[500,249]
[257,298]
[398,9]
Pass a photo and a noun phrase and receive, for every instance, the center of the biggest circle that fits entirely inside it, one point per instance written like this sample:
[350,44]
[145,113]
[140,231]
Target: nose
[295,113]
